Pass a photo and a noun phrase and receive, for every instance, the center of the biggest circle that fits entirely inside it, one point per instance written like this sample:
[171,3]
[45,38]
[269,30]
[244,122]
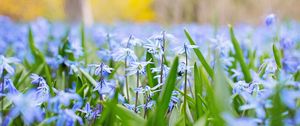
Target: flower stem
[2,99]
[126,78]
[145,108]
[162,57]
[126,81]
[137,93]
[185,81]
[101,80]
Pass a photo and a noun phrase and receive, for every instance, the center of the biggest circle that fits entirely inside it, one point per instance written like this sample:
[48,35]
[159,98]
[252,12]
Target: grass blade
[158,118]
[277,56]
[37,54]
[198,91]
[239,56]
[208,69]
[151,81]
[88,77]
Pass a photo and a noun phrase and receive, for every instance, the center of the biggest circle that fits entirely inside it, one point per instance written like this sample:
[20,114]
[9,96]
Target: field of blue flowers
[146,74]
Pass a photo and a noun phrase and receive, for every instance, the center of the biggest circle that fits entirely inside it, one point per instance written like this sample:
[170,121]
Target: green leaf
[208,69]
[108,116]
[47,73]
[158,119]
[252,59]
[277,110]
[18,76]
[37,54]
[240,56]
[83,42]
[198,91]
[297,76]
[88,77]
[277,56]
[151,81]
[128,117]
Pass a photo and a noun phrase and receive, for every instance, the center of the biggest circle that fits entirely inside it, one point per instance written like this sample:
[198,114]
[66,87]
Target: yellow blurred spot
[103,10]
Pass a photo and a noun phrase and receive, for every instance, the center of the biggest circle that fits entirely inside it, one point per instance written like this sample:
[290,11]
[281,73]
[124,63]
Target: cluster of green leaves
[210,98]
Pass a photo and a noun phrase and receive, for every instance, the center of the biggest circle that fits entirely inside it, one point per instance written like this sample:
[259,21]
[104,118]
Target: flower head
[186,47]
[5,64]
[137,67]
[101,68]
[270,19]
[26,106]
[124,53]
[105,87]
[9,88]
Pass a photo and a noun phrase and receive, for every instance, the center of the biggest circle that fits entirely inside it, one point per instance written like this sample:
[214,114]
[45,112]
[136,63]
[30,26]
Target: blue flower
[137,67]
[270,19]
[243,87]
[289,98]
[75,47]
[132,41]
[101,68]
[124,53]
[105,87]
[91,113]
[62,98]
[166,70]
[5,64]
[291,64]
[26,106]
[174,100]
[286,43]
[9,88]
[243,121]
[42,92]
[259,102]
[221,44]
[65,117]
[186,47]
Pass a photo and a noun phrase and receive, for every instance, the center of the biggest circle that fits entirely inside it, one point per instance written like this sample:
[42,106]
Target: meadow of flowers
[146,74]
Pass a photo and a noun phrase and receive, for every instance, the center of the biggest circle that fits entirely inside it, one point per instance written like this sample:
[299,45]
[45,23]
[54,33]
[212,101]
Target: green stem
[147,97]
[137,93]
[126,78]
[185,82]
[126,81]
[162,58]
[2,99]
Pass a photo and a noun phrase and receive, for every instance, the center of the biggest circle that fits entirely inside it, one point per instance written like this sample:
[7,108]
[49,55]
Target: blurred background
[161,11]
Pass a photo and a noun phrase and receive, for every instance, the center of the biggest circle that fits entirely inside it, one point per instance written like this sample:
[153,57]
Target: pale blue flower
[42,92]
[286,43]
[64,98]
[243,121]
[9,88]
[124,53]
[137,67]
[259,103]
[166,70]
[101,68]
[5,64]
[243,87]
[66,117]
[132,41]
[91,113]
[26,106]
[289,98]
[270,19]
[291,64]
[105,87]
[186,47]
[221,44]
